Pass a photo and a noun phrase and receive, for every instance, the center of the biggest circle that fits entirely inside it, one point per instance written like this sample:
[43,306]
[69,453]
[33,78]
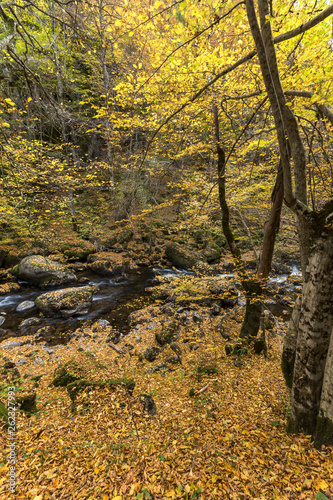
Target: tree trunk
[324,427]
[310,394]
[289,346]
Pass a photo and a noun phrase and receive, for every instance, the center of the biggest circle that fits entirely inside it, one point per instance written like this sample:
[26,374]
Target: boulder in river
[40,271]
[25,306]
[109,263]
[66,302]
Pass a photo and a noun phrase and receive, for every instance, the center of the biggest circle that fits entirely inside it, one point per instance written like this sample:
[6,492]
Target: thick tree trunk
[290,343]
[314,332]
[324,427]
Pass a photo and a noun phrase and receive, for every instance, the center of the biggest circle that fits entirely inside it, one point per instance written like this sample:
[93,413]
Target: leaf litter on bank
[228,441]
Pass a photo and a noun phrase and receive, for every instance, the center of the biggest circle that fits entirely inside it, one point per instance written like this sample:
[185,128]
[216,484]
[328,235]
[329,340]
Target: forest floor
[218,431]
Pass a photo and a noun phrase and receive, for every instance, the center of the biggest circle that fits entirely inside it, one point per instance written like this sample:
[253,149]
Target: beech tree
[312,388]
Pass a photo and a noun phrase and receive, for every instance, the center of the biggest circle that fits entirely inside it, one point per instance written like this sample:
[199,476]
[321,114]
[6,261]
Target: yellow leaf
[321,485]
[38,497]
[117,498]
[187,488]
[171,494]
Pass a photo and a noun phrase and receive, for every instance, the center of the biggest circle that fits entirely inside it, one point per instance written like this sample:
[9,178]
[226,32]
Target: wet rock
[280,268]
[26,323]
[66,302]
[2,320]
[40,271]
[25,306]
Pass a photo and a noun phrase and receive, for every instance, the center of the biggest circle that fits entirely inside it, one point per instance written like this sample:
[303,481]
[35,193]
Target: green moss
[66,374]
[27,403]
[77,386]
[206,370]
[3,415]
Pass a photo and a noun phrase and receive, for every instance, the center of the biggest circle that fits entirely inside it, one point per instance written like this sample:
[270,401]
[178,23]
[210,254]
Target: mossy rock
[168,334]
[164,337]
[212,252]
[151,353]
[27,403]
[67,373]
[78,250]
[180,257]
[73,388]
[3,415]
[40,271]
[207,370]
[66,302]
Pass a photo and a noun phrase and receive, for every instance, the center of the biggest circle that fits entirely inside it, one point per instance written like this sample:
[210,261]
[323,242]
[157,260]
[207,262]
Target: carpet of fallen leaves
[226,441]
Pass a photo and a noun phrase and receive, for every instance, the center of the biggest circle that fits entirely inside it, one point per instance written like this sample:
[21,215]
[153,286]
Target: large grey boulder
[66,302]
[40,271]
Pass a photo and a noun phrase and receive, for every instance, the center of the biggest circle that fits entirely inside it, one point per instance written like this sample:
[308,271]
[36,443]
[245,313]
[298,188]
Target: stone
[180,257]
[104,323]
[215,310]
[10,345]
[40,271]
[151,353]
[22,361]
[25,306]
[8,365]
[109,263]
[66,302]
[30,322]
[197,318]
[2,320]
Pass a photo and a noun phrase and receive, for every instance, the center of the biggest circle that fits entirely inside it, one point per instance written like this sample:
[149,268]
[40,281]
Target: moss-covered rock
[66,302]
[40,271]
[3,415]
[109,263]
[151,353]
[67,373]
[181,257]
[27,403]
[79,250]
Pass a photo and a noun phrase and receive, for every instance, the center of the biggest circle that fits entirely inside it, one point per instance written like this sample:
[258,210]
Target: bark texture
[289,346]
[324,427]
[315,329]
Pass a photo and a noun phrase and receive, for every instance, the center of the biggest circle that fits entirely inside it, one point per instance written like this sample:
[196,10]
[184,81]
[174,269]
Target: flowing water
[114,301]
